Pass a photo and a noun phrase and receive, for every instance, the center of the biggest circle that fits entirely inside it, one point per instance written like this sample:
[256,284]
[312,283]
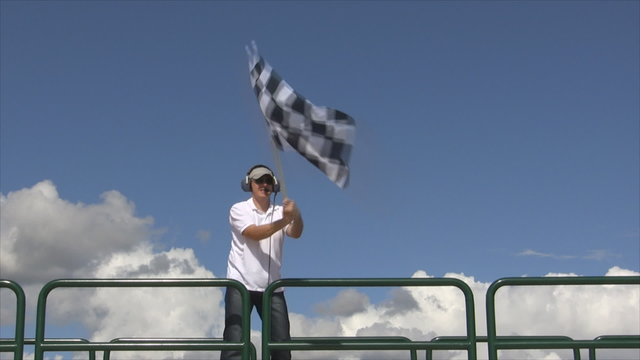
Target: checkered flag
[322,135]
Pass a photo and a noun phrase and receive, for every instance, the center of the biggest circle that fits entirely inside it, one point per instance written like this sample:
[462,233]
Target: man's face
[263,186]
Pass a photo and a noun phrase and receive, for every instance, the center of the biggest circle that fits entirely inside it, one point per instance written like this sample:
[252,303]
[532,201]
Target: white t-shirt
[255,264]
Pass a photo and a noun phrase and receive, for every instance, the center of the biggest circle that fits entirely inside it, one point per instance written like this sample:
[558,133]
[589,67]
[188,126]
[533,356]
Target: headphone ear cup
[244,184]
[276,185]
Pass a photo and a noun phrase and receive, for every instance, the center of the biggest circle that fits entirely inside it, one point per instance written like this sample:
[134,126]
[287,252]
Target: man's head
[260,178]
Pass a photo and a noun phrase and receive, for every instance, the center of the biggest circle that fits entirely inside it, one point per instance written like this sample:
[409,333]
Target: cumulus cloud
[581,311]
[43,237]
[154,312]
[422,313]
[401,301]
[346,303]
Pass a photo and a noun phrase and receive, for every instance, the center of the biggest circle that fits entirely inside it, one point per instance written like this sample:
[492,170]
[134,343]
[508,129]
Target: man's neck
[261,204]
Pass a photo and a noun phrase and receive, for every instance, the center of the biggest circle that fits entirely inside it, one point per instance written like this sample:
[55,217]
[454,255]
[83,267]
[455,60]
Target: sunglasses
[264,180]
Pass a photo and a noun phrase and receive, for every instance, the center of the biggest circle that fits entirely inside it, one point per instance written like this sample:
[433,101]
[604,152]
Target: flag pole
[278,162]
[252,52]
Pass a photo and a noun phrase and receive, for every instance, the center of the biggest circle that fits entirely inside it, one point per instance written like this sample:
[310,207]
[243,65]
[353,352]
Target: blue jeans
[233,321]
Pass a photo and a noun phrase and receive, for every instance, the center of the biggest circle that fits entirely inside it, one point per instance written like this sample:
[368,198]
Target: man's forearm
[261,232]
[295,229]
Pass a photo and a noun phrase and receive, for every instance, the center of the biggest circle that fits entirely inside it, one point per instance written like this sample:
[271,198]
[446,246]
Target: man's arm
[262,232]
[290,216]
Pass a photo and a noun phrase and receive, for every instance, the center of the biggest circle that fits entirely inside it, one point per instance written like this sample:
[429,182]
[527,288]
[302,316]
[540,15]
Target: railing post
[20,310]
[40,318]
[266,320]
[491,319]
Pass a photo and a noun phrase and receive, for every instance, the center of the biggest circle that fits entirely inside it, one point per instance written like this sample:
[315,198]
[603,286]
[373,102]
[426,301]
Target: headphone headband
[258,167]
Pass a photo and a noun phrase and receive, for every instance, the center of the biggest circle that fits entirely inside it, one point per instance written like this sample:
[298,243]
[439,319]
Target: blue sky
[484,128]
[494,138]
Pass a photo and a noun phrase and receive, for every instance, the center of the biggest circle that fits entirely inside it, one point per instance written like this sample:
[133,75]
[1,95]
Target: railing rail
[173,340]
[332,341]
[32,341]
[531,342]
[381,343]
[485,339]
[614,342]
[42,344]
[15,345]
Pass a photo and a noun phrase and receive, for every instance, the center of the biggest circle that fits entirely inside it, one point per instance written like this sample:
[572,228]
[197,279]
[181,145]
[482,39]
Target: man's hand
[289,210]
[291,215]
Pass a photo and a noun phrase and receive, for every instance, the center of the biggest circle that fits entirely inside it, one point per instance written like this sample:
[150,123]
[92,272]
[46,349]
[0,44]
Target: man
[258,229]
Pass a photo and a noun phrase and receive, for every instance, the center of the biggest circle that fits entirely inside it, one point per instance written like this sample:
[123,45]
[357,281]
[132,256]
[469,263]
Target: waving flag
[322,135]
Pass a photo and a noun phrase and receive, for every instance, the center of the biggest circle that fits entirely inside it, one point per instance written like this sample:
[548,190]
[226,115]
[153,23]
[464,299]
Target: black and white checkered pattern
[324,136]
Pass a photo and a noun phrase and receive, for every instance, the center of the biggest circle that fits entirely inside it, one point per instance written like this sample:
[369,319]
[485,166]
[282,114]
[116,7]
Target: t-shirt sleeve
[240,218]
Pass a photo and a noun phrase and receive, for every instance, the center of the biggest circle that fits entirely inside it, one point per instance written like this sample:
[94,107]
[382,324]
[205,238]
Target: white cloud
[617,271]
[581,312]
[43,237]
[596,254]
[346,303]
[204,236]
[530,252]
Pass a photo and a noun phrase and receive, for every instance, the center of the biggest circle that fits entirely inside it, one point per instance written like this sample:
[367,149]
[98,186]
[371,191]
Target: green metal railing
[485,339]
[42,344]
[467,343]
[397,343]
[15,345]
[91,353]
[535,342]
[331,341]
[107,353]
[614,342]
